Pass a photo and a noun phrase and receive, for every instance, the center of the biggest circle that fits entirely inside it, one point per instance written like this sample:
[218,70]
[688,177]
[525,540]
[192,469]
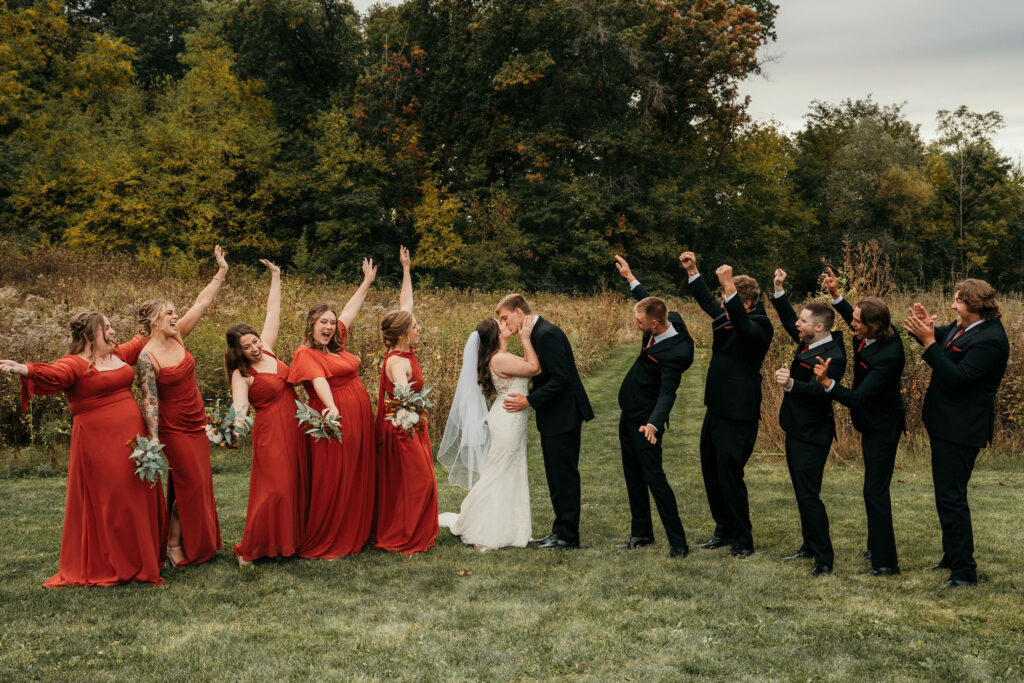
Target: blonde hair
[514,301]
[652,308]
[148,313]
[394,326]
[83,333]
[747,288]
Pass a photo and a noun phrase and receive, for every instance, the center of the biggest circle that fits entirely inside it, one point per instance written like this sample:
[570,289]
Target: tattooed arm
[145,373]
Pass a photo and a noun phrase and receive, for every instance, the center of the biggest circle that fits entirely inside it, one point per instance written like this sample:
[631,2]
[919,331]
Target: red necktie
[650,343]
[804,349]
[860,347]
[962,330]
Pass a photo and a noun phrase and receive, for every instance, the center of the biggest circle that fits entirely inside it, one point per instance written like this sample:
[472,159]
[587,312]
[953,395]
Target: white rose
[402,414]
[413,418]
[216,437]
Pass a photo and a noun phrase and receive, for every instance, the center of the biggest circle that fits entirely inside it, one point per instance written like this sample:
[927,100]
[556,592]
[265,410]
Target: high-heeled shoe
[170,560]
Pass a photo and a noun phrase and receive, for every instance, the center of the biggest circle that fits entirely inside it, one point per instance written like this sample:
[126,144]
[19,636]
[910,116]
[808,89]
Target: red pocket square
[864,365]
[806,365]
[652,358]
[958,350]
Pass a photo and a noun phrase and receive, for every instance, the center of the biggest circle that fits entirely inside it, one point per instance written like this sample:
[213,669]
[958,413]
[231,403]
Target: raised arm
[145,373]
[405,298]
[698,288]
[638,291]
[780,302]
[351,310]
[272,323]
[188,322]
[831,284]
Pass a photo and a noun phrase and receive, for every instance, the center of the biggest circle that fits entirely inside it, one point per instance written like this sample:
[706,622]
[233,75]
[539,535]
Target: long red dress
[187,448]
[406,486]
[280,470]
[341,474]
[114,523]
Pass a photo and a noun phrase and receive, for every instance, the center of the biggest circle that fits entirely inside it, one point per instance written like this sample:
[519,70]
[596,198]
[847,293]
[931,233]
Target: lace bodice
[504,386]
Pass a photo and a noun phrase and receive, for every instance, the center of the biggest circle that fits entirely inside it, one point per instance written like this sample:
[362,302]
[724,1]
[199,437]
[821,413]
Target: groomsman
[646,398]
[876,407]
[968,360]
[742,335]
[806,417]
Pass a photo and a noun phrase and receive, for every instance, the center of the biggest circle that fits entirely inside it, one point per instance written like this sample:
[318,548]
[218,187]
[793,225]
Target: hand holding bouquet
[405,409]
[320,425]
[149,460]
[226,429]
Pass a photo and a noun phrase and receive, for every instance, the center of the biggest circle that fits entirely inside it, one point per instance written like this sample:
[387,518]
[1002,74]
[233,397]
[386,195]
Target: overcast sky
[934,54]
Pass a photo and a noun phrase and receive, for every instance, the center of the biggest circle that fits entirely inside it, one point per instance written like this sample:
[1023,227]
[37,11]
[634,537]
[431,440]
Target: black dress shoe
[820,569]
[959,583]
[635,542]
[559,544]
[679,551]
[741,553]
[798,555]
[546,539]
[883,571]
[714,542]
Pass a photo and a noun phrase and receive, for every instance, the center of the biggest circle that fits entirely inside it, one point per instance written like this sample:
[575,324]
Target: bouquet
[405,409]
[147,454]
[226,430]
[321,426]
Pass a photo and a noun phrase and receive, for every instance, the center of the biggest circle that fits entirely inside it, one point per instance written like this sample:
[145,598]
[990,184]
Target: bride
[485,451]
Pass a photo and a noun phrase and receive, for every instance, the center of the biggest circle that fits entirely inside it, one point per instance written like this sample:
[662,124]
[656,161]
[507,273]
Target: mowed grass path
[593,613]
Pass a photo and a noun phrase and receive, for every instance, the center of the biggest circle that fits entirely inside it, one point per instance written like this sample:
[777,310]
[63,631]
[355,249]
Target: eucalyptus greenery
[227,429]
[149,460]
[320,425]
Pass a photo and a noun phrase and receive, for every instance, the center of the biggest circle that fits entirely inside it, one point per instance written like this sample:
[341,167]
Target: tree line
[512,144]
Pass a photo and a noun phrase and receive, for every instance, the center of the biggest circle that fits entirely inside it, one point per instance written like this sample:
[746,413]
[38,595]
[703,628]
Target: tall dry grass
[39,292]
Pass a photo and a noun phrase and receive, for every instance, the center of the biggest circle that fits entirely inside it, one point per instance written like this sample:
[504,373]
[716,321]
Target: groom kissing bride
[491,445]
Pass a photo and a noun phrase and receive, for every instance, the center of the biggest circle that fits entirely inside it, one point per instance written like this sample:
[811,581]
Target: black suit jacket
[557,394]
[875,402]
[739,344]
[959,406]
[649,388]
[806,412]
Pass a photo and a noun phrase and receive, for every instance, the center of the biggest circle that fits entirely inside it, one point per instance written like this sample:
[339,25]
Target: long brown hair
[84,329]
[875,314]
[394,326]
[980,298]
[490,342]
[336,344]
[234,357]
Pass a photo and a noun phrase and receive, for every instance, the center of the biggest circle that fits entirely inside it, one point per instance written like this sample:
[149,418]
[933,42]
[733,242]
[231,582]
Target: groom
[562,407]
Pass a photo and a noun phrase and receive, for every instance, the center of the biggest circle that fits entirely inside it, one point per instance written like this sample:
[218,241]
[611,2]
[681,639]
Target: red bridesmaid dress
[187,448]
[114,523]
[280,470]
[406,486]
[341,474]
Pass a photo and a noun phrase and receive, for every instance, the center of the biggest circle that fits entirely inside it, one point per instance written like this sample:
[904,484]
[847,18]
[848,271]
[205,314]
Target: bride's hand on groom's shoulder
[516,402]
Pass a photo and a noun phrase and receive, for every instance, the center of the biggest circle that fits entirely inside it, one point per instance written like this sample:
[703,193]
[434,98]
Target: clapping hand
[783,378]
[920,324]
[405,257]
[821,372]
[830,282]
[369,270]
[623,268]
[276,270]
[780,278]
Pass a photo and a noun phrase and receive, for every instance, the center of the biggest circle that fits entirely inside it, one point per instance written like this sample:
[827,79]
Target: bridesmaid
[280,458]
[341,474]
[113,522]
[173,408]
[406,487]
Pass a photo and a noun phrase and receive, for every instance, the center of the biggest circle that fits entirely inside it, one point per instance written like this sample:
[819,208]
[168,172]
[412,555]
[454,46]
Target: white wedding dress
[496,512]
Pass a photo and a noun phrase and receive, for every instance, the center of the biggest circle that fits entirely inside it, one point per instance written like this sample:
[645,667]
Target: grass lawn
[592,613]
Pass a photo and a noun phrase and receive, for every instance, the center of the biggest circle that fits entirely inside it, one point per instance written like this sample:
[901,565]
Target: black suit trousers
[641,464]
[879,463]
[725,448]
[561,466]
[952,465]
[806,462]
